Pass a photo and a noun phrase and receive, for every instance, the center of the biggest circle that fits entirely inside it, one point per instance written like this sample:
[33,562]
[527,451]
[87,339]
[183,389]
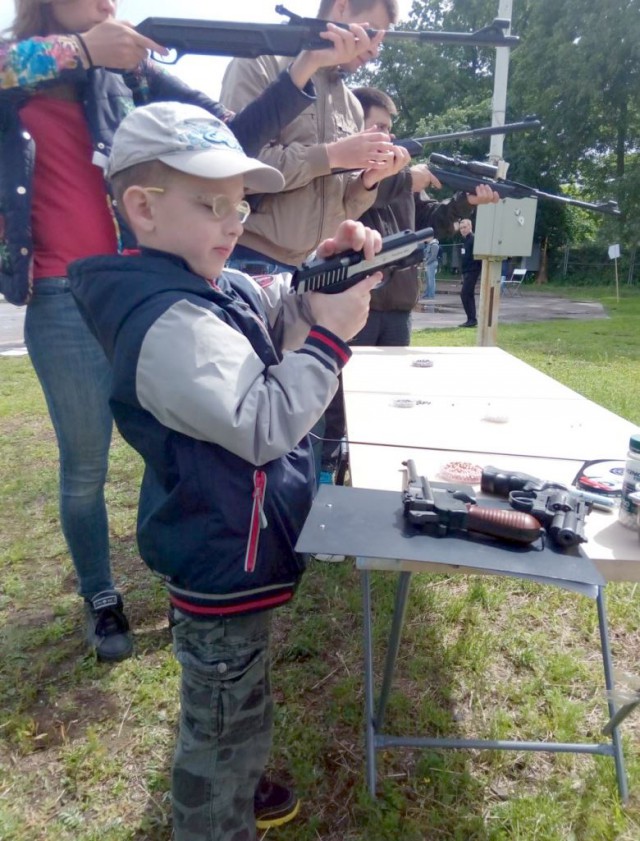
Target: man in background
[471,269]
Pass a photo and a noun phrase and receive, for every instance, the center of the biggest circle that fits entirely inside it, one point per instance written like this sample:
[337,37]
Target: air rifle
[249,40]
[414,145]
[344,270]
[466,175]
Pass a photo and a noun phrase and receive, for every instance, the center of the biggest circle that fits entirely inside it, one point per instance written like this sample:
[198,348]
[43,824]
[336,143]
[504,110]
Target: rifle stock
[344,270]
[249,40]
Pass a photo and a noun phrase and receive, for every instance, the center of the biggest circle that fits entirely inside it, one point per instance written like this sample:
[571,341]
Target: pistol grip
[514,526]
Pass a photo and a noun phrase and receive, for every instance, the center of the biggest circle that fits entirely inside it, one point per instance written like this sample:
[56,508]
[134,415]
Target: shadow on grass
[50,682]
[320,725]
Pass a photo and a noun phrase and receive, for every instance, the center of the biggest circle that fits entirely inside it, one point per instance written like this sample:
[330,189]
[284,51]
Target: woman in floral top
[69,73]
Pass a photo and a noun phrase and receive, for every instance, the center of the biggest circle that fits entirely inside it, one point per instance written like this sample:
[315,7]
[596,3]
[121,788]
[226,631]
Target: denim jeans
[75,377]
[430,291]
[226,724]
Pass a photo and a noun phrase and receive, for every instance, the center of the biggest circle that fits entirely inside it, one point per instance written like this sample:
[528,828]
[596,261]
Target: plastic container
[630,484]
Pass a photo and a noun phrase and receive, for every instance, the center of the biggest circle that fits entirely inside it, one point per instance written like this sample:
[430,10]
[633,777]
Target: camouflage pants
[226,721]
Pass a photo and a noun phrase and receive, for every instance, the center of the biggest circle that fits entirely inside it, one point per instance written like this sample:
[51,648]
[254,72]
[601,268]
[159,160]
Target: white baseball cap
[189,139]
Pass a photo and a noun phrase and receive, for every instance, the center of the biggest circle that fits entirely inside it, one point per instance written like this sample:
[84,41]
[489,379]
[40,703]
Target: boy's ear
[138,208]
[338,11]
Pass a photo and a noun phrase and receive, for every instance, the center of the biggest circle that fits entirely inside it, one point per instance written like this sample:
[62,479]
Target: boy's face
[180,219]
[378,118]
[465,227]
[377,18]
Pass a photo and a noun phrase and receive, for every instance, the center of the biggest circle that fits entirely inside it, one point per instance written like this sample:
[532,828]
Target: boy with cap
[203,390]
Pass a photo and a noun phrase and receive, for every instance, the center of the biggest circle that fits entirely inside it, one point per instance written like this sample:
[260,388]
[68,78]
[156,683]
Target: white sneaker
[329,559]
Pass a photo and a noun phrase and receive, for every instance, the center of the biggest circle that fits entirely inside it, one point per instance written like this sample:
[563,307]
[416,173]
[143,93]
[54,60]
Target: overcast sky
[204,73]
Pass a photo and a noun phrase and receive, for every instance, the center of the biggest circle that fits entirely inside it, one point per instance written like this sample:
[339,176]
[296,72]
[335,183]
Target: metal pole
[500,78]
[490,278]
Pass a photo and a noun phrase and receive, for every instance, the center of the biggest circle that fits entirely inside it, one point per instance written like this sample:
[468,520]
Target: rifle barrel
[508,128]
[489,36]
[512,189]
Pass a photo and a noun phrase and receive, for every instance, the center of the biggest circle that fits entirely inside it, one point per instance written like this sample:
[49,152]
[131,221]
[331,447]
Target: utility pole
[491,268]
[500,79]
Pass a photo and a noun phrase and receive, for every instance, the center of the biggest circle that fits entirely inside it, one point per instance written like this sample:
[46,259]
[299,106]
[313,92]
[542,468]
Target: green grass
[85,750]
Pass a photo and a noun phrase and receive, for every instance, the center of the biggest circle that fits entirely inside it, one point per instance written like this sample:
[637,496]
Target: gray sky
[202,72]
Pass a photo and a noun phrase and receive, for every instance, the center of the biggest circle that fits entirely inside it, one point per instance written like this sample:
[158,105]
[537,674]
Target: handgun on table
[561,510]
[440,511]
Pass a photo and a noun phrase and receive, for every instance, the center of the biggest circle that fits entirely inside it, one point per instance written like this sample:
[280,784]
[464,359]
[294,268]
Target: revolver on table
[559,509]
[442,510]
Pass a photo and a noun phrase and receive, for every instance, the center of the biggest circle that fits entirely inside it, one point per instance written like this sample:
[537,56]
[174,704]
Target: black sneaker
[108,627]
[469,324]
[274,804]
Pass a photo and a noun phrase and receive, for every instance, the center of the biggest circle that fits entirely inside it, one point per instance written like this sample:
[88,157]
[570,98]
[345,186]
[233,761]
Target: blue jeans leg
[75,377]
[431,280]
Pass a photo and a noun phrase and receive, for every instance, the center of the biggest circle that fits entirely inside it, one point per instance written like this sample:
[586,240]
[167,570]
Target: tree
[577,68]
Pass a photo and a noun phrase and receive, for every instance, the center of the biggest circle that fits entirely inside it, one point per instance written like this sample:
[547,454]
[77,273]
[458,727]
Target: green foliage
[85,749]
[576,68]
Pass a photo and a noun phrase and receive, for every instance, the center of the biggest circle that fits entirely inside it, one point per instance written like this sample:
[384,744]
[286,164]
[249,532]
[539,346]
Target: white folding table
[484,406]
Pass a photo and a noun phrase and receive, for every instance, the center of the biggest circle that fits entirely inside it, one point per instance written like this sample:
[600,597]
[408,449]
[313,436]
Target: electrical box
[505,229]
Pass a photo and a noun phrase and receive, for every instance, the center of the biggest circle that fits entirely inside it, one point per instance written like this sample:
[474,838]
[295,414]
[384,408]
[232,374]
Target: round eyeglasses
[221,206]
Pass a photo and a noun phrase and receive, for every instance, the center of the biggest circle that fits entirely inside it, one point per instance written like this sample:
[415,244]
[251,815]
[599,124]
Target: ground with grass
[85,750]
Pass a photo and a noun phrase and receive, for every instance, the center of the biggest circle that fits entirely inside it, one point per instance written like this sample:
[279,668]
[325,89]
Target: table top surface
[485,407]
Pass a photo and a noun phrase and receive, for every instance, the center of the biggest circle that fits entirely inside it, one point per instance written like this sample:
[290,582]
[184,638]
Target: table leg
[609,683]
[397,623]
[369,724]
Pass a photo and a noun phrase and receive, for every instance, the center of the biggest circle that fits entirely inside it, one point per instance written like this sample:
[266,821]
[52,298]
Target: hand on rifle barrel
[483,195]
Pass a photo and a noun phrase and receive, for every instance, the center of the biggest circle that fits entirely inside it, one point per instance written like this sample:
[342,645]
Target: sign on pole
[614,253]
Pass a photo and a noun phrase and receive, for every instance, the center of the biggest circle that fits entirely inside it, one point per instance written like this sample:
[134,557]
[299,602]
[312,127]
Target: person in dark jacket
[401,204]
[471,269]
[68,76]
[203,392]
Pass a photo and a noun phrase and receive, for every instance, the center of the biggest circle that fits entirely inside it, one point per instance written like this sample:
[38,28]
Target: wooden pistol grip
[514,526]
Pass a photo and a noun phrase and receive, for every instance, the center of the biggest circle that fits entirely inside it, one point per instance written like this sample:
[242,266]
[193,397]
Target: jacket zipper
[258,519]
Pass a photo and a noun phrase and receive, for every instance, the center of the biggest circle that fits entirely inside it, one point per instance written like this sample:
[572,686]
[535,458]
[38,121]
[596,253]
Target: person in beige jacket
[314,150]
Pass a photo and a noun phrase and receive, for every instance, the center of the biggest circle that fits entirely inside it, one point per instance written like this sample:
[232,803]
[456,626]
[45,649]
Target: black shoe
[469,324]
[274,804]
[107,627]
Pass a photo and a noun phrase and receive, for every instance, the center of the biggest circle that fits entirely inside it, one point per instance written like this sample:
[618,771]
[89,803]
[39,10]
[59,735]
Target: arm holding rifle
[441,215]
[296,150]
[117,45]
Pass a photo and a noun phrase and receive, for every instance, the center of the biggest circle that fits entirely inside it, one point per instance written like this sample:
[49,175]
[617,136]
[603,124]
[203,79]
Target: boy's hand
[351,235]
[116,44]
[345,313]
[370,148]
[396,160]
